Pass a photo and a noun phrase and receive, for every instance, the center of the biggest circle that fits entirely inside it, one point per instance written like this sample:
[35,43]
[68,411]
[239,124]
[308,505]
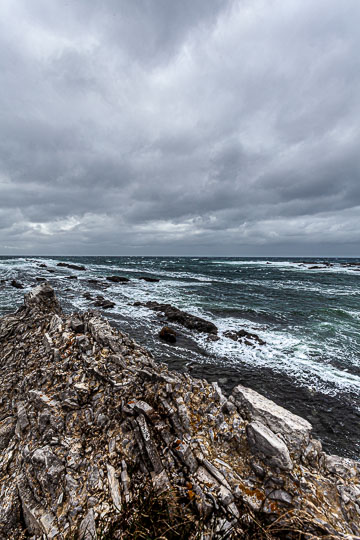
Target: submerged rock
[117,279]
[94,434]
[71,266]
[103,303]
[192,322]
[244,337]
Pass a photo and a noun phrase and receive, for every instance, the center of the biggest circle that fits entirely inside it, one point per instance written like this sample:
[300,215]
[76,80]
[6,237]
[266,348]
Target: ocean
[306,311]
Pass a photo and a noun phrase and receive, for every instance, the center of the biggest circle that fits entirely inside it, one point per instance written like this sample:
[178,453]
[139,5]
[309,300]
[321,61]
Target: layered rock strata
[90,424]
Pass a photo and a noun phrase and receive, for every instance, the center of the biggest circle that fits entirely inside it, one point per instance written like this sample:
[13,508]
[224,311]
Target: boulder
[167,334]
[149,279]
[244,337]
[16,284]
[77,325]
[192,322]
[42,296]
[272,449]
[103,303]
[294,429]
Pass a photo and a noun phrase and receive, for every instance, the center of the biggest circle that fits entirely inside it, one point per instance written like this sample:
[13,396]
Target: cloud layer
[195,127]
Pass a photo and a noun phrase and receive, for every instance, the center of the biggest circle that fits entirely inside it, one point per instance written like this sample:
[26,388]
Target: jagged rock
[87,529]
[167,334]
[295,430]
[23,420]
[182,317]
[43,297]
[117,279]
[346,468]
[9,512]
[149,279]
[244,337]
[114,487]
[38,520]
[281,496]
[77,325]
[264,442]
[7,430]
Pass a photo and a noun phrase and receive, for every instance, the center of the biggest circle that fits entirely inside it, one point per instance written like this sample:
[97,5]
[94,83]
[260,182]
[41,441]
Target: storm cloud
[197,127]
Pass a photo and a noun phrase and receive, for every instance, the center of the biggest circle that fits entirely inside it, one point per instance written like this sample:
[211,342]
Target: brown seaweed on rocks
[98,440]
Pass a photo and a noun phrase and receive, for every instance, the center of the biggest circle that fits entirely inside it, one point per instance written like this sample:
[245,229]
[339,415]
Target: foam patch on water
[282,353]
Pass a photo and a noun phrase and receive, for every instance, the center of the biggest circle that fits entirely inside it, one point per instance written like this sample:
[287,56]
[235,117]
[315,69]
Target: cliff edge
[98,440]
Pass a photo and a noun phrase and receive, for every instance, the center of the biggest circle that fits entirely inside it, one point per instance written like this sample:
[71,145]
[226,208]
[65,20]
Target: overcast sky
[169,127]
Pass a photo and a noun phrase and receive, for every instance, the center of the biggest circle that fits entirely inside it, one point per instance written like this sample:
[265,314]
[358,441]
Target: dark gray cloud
[194,127]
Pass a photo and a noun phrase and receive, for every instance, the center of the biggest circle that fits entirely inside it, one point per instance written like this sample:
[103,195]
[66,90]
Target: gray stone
[41,400]
[264,442]
[295,430]
[78,326]
[48,342]
[149,445]
[114,487]
[281,496]
[184,452]
[38,520]
[343,467]
[87,529]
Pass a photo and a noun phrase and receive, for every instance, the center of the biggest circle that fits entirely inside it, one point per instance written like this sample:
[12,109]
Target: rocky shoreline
[92,428]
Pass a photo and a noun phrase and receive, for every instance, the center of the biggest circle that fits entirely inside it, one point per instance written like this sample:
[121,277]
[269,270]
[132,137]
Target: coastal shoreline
[333,411]
[88,416]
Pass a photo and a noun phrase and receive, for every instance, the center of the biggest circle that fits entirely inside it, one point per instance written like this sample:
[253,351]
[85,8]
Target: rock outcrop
[95,435]
[192,322]
[71,266]
[117,279]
